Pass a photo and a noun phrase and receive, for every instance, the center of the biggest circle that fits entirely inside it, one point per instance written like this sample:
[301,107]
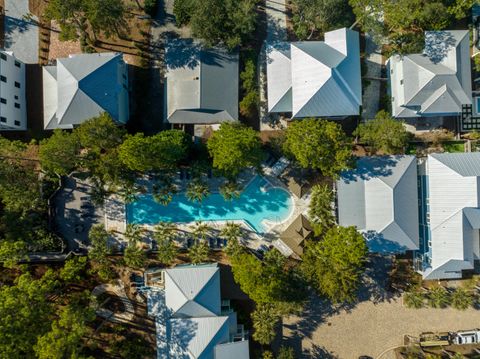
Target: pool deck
[115,216]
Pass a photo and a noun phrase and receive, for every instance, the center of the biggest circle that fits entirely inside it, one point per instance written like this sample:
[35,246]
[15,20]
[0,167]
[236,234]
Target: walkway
[21,34]
[75,213]
[371,95]
[117,289]
[276,31]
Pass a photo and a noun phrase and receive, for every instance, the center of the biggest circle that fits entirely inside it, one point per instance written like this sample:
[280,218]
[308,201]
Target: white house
[83,86]
[315,78]
[453,215]
[13,102]
[436,82]
[192,321]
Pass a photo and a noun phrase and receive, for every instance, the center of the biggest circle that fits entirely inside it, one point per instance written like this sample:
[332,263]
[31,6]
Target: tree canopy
[311,16]
[59,153]
[334,264]
[77,17]
[383,134]
[159,152]
[318,144]
[228,22]
[320,208]
[235,147]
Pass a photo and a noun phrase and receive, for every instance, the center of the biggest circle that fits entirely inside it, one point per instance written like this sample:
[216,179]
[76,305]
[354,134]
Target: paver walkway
[371,95]
[21,33]
[276,31]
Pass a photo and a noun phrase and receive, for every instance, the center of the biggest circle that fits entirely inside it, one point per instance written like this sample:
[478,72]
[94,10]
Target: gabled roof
[193,291]
[81,87]
[465,164]
[436,82]
[379,197]
[202,84]
[315,78]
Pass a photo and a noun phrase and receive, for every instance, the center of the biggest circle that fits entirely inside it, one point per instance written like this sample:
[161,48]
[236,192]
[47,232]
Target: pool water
[255,204]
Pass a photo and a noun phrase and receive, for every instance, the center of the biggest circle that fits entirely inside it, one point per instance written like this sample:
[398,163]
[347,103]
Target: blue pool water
[253,206]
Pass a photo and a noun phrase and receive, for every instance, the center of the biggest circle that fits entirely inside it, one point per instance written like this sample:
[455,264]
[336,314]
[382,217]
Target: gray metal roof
[315,78]
[379,197]
[465,164]
[450,269]
[436,82]
[83,86]
[236,350]
[202,84]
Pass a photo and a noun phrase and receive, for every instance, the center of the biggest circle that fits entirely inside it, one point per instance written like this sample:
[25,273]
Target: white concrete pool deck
[115,219]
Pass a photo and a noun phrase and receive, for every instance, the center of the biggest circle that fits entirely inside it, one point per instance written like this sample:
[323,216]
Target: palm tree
[197,191]
[265,319]
[414,299]
[230,190]
[167,251]
[134,257]
[232,232]
[461,299]
[164,190]
[199,252]
[438,297]
[200,231]
[165,230]
[133,233]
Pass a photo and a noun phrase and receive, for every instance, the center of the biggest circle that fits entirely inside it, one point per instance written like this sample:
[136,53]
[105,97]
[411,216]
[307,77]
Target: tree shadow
[371,167]
[438,44]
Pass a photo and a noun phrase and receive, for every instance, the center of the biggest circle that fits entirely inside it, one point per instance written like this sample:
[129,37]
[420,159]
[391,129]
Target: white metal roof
[379,197]
[315,78]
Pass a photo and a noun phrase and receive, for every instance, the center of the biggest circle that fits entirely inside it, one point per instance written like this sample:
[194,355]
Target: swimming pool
[254,205]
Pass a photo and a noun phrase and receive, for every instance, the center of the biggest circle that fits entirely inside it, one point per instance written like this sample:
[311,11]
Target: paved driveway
[21,34]
[369,328]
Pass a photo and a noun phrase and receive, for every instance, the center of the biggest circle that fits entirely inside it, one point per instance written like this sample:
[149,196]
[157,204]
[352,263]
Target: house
[315,78]
[13,102]
[201,86]
[83,86]
[192,322]
[380,198]
[452,192]
[435,83]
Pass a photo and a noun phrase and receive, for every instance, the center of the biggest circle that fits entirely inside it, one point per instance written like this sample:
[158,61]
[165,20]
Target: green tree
[461,299]
[314,16]
[134,256]
[154,153]
[319,145]
[59,152]
[230,190]
[320,208]
[11,252]
[250,100]
[65,337]
[286,353]
[197,191]
[228,22]
[438,297]
[199,252]
[235,147]
[73,269]
[267,354]
[134,233]
[414,299]
[163,190]
[265,321]
[98,238]
[334,264]
[383,134]
[201,231]
[167,251]
[100,134]
[24,314]
[76,17]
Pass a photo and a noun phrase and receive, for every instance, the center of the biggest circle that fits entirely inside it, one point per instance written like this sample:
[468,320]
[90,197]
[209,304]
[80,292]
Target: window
[17,84]
[17,63]
[3,119]
[3,100]
[17,123]
[401,82]
[3,56]
[393,99]
[3,78]
[16,97]
[17,105]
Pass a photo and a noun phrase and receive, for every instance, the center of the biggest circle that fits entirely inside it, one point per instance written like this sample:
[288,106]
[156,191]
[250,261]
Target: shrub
[414,299]
[150,7]
[461,299]
[438,297]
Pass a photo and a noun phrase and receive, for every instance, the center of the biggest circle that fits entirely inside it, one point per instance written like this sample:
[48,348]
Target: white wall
[12,94]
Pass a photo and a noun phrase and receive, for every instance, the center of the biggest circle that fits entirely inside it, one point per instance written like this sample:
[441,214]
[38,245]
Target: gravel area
[59,49]
[375,325]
